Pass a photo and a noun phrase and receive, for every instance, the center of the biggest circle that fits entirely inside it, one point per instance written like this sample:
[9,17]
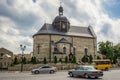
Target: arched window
[64,50]
[86,51]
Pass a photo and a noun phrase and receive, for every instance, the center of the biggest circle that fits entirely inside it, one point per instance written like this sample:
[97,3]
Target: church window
[86,51]
[64,49]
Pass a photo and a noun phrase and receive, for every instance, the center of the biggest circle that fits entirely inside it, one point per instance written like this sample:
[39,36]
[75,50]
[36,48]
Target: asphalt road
[60,75]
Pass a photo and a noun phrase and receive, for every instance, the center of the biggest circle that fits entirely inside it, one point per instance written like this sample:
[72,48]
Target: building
[62,39]
[6,58]
[27,56]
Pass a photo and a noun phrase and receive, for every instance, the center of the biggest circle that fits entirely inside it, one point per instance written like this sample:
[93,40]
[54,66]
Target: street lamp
[22,49]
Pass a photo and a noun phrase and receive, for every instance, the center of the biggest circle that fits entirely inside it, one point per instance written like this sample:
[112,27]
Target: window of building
[64,49]
[86,51]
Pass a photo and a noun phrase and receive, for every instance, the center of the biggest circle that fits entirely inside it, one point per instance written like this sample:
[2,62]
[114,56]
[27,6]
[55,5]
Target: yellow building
[62,39]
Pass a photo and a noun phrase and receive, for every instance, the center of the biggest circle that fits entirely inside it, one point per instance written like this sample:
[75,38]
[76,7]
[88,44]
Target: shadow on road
[81,78]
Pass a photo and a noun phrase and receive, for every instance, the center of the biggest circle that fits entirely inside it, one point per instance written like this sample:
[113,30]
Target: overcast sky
[21,19]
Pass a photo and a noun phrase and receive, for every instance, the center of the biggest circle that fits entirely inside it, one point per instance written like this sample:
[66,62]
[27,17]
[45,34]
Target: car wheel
[71,74]
[52,71]
[86,76]
[36,72]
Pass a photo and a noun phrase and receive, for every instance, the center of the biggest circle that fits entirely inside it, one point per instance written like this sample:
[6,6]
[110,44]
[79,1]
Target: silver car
[44,69]
[85,71]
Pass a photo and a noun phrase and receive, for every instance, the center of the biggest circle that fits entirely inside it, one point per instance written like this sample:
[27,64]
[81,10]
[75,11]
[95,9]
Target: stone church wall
[80,43]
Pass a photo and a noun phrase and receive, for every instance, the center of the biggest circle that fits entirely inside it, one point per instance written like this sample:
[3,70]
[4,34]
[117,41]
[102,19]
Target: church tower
[61,23]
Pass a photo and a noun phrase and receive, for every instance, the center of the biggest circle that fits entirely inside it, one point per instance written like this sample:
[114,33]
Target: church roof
[63,40]
[73,31]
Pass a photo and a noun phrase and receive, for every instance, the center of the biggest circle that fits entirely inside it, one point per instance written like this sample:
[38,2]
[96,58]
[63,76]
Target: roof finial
[60,9]
[60,3]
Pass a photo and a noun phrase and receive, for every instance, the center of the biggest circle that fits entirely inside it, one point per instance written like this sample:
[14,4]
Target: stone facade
[6,58]
[80,43]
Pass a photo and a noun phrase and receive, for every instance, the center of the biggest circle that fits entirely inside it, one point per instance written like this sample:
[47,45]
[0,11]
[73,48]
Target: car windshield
[89,68]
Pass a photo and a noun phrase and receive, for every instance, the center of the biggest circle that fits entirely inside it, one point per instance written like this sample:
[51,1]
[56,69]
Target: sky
[21,19]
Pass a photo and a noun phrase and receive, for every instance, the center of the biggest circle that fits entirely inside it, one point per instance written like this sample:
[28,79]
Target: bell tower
[61,23]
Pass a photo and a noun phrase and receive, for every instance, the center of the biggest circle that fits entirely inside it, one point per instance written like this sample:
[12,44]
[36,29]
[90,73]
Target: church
[62,39]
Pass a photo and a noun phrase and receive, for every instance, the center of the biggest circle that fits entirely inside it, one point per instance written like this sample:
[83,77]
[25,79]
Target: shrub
[55,59]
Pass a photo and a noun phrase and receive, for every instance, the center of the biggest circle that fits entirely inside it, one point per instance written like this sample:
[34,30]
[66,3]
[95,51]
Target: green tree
[24,60]
[15,60]
[74,59]
[45,61]
[34,60]
[114,59]
[66,59]
[31,60]
[84,59]
[90,59]
[107,49]
[55,59]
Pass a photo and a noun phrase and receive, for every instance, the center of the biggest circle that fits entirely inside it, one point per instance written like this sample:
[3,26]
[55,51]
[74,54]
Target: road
[60,75]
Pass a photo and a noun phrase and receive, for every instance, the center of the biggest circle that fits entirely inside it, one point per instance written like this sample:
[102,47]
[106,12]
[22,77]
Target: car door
[78,71]
[81,71]
[44,69]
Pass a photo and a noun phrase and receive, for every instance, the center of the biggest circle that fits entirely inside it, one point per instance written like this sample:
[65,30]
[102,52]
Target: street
[60,75]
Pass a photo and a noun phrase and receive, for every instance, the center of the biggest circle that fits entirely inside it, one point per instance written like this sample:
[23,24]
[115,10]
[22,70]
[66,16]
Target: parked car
[44,69]
[86,72]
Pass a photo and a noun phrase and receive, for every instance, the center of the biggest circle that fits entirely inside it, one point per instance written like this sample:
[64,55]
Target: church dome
[61,22]
[60,18]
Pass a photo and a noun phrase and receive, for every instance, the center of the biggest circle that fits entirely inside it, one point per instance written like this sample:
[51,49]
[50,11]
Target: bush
[15,61]
[84,59]
[74,59]
[34,60]
[66,59]
[45,61]
[90,59]
[55,59]
[31,59]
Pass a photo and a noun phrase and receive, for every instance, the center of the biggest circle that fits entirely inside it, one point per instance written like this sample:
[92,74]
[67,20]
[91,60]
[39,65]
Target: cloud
[20,19]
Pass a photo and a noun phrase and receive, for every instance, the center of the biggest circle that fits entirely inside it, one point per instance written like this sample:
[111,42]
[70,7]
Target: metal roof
[73,31]
[63,40]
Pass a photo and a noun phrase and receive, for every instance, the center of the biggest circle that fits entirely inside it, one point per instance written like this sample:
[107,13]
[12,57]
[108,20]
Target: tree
[31,60]
[84,59]
[107,49]
[74,59]
[45,61]
[24,60]
[55,59]
[90,59]
[34,60]
[114,59]
[66,59]
[15,60]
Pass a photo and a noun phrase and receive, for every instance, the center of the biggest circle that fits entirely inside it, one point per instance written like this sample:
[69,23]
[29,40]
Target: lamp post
[22,49]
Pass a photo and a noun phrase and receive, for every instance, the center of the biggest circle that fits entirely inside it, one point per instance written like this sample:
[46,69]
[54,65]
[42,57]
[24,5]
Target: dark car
[44,69]
[85,71]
